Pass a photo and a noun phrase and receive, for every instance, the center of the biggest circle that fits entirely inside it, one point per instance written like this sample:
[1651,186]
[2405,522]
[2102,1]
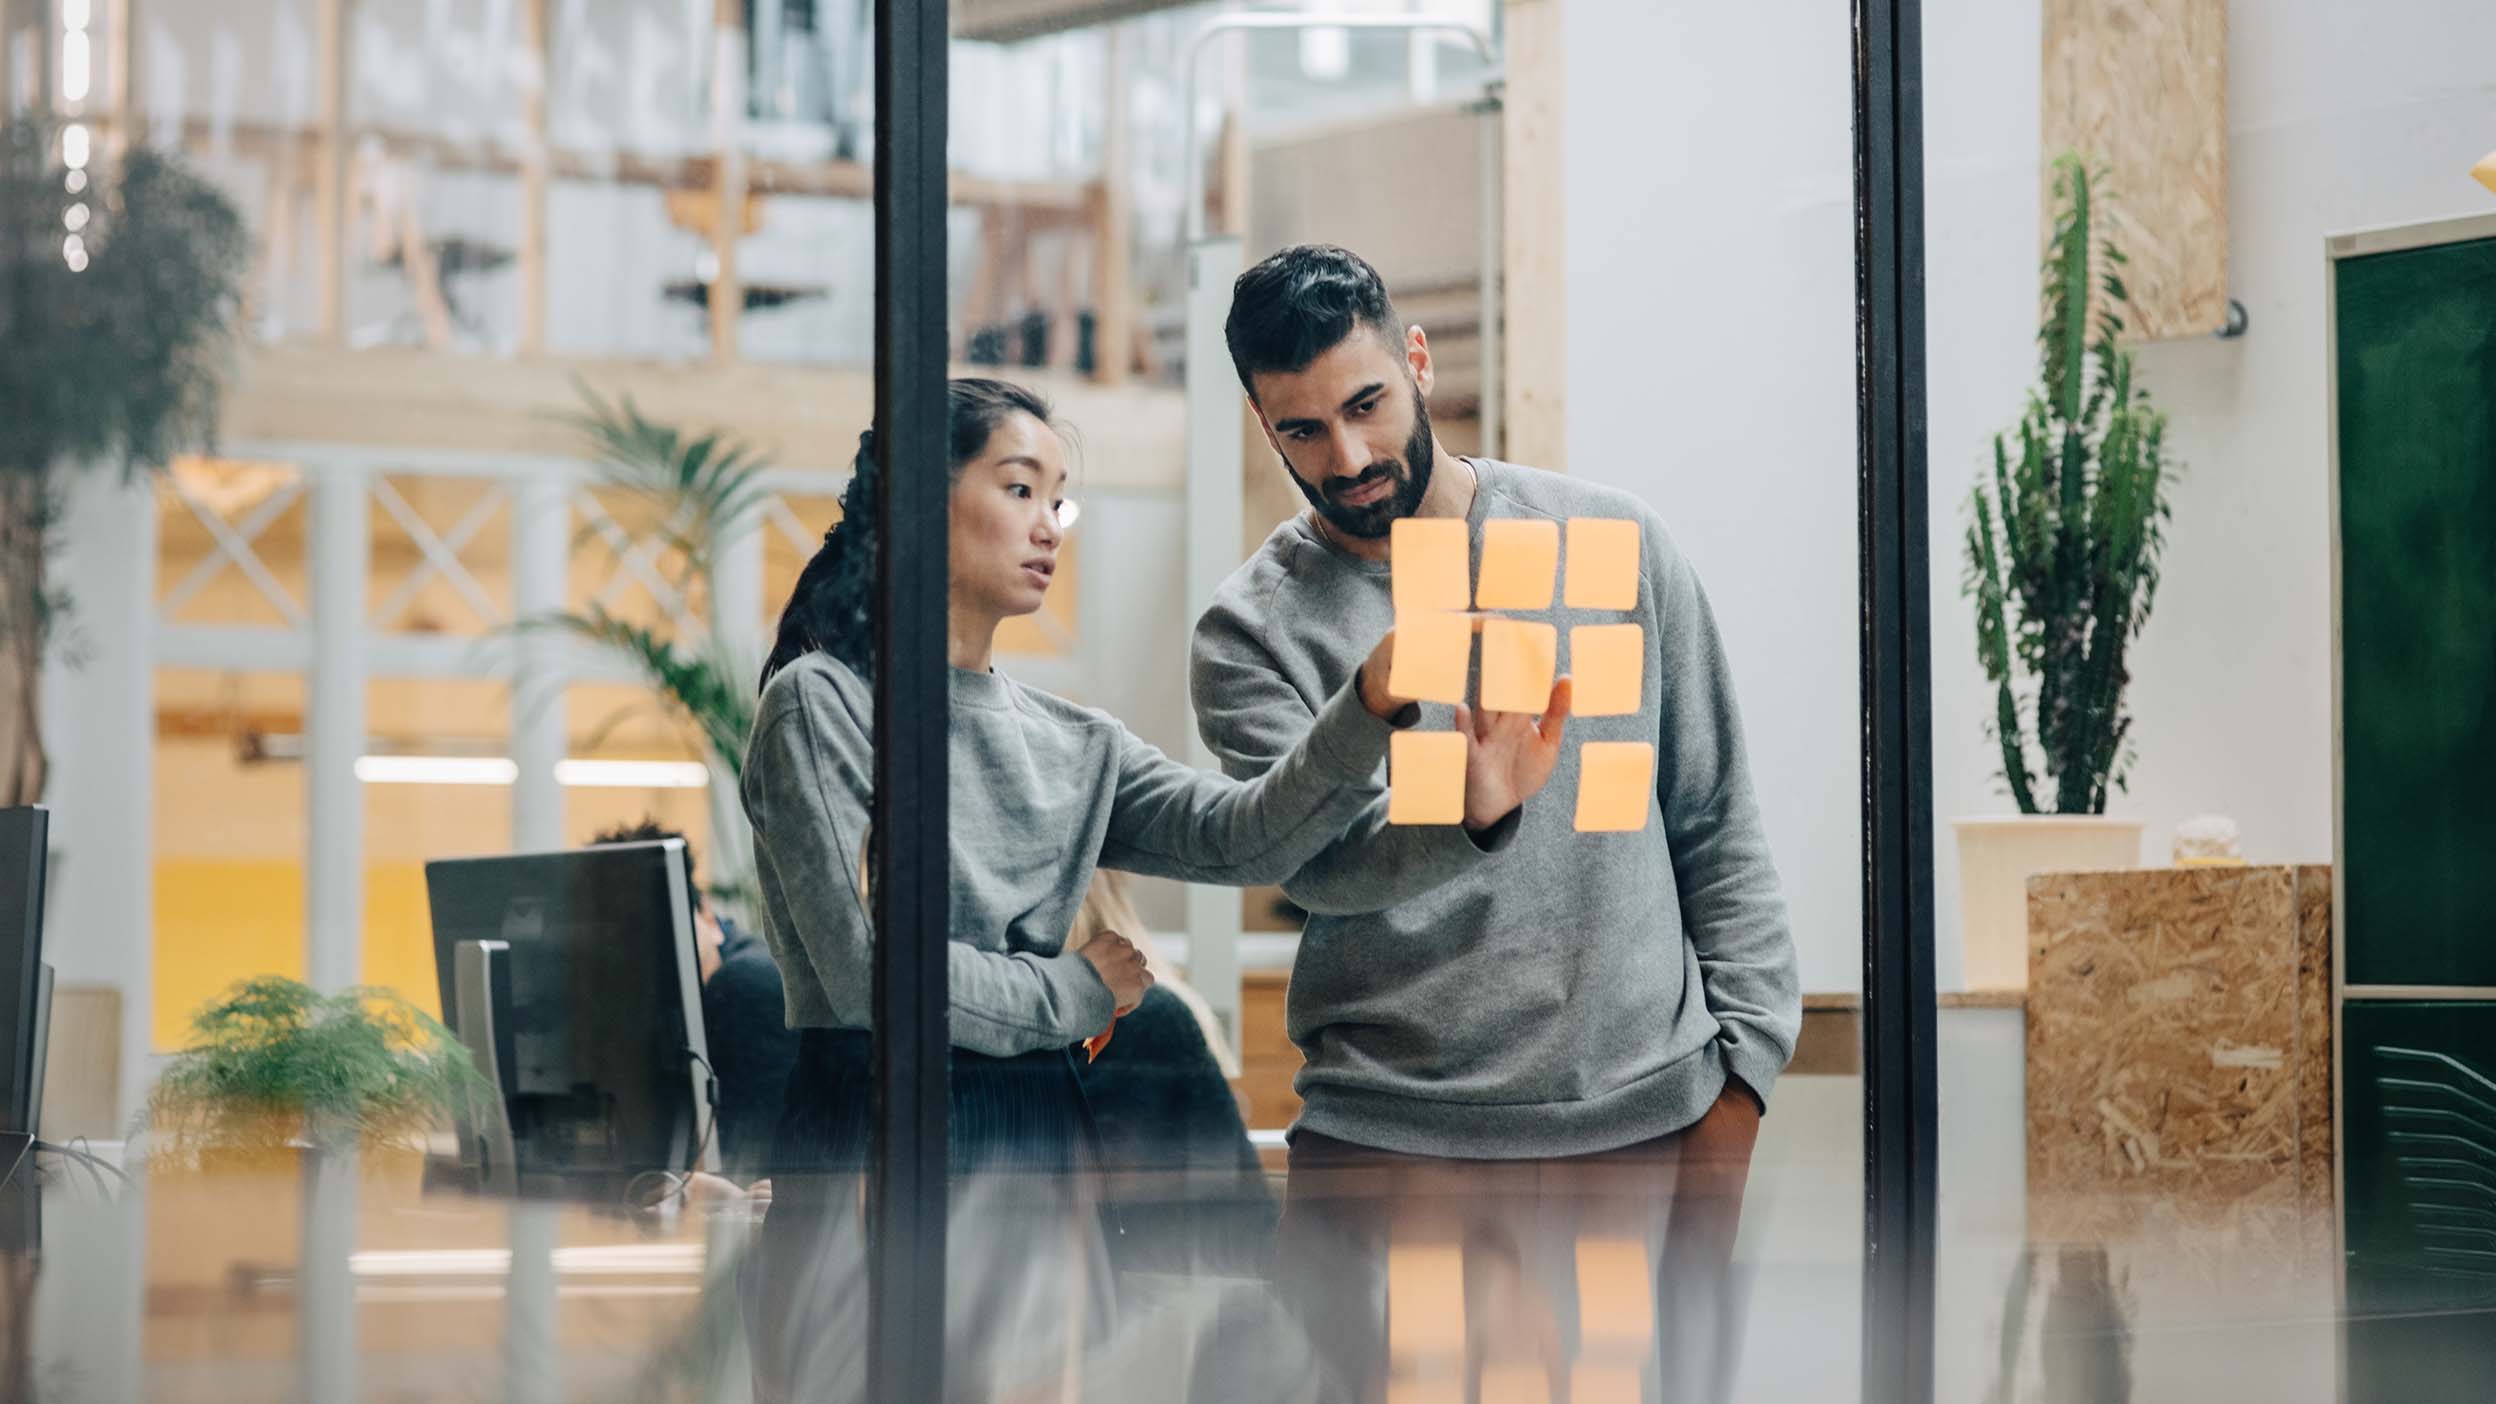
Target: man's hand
[1373,676]
[1508,755]
[1722,1139]
[1715,1167]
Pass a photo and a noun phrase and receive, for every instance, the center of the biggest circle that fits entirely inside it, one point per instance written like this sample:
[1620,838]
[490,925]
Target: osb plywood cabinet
[2179,1069]
[2138,88]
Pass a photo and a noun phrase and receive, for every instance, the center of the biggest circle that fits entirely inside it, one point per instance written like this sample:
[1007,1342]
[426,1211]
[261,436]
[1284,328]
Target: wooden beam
[424,280]
[1006,21]
[1534,297]
[1113,287]
[537,56]
[331,54]
[299,397]
[1058,201]
[1230,178]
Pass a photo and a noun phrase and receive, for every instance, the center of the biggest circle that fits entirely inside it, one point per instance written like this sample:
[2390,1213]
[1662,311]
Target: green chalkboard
[2416,365]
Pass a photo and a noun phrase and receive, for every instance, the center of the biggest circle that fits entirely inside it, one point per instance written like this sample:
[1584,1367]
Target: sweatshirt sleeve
[1732,902]
[809,776]
[1173,820]
[1253,719]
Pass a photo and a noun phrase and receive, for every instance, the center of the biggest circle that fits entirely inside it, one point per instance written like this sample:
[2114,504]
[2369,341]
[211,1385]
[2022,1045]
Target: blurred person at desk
[752,1047]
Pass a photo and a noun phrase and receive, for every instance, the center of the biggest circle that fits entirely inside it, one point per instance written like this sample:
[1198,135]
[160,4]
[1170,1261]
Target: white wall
[1710,246]
[1711,371]
[98,715]
[2340,117]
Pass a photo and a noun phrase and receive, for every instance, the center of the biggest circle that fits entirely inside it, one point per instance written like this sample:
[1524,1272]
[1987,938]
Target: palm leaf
[697,492]
[702,688]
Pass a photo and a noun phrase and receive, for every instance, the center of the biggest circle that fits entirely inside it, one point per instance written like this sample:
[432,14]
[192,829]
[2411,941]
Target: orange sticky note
[1517,660]
[2485,172]
[1431,559]
[1431,651]
[1615,786]
[1607,662]
[1426,777]
[1520,558]
[1603,563]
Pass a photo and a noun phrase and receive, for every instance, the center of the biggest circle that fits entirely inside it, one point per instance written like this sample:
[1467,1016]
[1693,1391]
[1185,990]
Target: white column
[325,1281]
[1215,486]
[99,904]
[541,546]
[737,609]
[541,541]
[99,726]
[531,1373]
[334,730]
[334,726]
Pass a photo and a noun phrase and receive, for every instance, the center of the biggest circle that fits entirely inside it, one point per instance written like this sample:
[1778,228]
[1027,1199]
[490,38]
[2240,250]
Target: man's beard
[1411,477]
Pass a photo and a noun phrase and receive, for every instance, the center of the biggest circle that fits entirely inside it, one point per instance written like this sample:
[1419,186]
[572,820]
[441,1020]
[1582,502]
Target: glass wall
[2214,1043]
[1437,1109]
[1302,1045]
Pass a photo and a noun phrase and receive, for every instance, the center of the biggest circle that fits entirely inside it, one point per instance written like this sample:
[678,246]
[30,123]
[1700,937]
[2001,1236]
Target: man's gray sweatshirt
[1544,992]
[1042,791]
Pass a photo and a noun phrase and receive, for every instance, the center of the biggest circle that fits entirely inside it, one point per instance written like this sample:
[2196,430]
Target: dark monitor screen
[604,1005]
[22,836]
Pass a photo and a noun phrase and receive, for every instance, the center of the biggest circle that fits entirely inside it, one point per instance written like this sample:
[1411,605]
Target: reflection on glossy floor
[193,1295]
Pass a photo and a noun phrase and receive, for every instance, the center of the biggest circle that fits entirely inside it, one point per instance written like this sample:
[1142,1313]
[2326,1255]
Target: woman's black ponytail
[832,608]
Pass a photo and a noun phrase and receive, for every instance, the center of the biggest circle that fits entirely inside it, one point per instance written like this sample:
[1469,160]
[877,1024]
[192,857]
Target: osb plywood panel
[2315,1061]
[2139,89]
[2173,1022]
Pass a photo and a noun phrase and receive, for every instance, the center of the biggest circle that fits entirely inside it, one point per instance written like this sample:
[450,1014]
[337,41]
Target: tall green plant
[696,493]
[2063,549]
[119,284]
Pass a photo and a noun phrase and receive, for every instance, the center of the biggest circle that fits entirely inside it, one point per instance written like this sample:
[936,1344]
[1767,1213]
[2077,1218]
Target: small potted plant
[285,1081]
[2062,564]
[278,1066]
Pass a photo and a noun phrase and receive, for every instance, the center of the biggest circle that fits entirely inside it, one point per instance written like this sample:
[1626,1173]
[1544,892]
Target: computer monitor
[24,990]
[582,1001]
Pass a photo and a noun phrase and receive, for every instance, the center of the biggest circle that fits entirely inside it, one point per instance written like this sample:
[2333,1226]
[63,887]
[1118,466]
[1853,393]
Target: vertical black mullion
[906,1225]
[1900,1088]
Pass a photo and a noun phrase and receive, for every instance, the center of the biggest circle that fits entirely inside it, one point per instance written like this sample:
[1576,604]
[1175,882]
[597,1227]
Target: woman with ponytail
[1043,792]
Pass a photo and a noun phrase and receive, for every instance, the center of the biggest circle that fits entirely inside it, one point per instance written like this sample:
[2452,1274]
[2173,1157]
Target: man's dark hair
[1301,303]
[652,831]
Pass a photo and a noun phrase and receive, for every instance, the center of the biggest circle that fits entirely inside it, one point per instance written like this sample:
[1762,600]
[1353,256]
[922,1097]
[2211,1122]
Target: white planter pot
[1997,856]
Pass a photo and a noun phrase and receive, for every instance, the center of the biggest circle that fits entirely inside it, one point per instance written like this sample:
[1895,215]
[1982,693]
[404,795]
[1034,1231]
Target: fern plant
[2063,549]
[277,1063]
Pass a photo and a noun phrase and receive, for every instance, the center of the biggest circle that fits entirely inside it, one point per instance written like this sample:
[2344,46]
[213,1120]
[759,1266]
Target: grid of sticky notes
[1434,585]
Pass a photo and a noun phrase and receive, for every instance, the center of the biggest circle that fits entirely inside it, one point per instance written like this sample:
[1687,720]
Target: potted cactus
[2062,552]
